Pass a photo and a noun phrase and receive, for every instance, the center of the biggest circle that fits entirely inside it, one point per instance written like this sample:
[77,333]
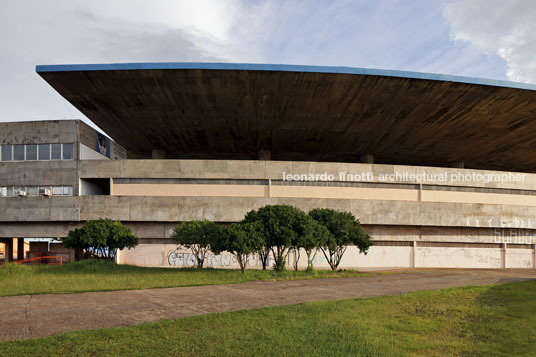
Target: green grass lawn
[498,320]
[94,275]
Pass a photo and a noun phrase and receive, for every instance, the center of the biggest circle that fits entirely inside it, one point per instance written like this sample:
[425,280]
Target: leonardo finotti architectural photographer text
[444,177]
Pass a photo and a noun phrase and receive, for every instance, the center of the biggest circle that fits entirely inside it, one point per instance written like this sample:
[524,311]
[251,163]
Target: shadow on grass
[504,320]
[106,267]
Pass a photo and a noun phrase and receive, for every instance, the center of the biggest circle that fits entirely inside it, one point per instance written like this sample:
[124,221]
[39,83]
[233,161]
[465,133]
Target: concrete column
[458,164]
[264,155]
[534,256]
[414,254]
[9,249]
[158,154]
[503,255]
[367,158]
[20,249]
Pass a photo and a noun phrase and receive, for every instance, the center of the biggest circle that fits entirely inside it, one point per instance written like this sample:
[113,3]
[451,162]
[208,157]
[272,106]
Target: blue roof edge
[281,68]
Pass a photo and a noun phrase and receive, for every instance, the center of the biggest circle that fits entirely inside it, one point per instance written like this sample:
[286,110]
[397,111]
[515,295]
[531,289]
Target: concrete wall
[520,258]
[257,169]
[372,212]
[36,229]
[88,137]
[40,173]
[40,132]
[396,213]
[170,255]
[341,193]
[445,257]
[36,173]
[39,209]
[87,153]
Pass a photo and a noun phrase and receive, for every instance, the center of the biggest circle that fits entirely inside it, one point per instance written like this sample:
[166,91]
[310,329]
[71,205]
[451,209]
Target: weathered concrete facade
[40,177]
[464,223]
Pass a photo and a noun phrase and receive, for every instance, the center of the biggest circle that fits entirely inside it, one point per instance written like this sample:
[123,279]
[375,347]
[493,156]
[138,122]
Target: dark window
[44,151]
[31,152]
[68,151]
[6,152]
[56,151]
[18,152]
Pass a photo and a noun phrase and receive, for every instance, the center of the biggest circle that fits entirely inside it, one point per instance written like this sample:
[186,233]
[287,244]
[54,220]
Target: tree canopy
[198,236]
[241,240]
[101,237]
[344,229]
[311,237]
[280,229]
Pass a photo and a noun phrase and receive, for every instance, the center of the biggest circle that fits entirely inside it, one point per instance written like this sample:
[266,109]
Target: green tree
[241,240]
[279,229]
[344,229]
[101,237]
[264,255]
[312,236]
[197,236]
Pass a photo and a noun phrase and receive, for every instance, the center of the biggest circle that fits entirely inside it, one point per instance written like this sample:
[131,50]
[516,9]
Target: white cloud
[101,31]
[390,34]
[504,28]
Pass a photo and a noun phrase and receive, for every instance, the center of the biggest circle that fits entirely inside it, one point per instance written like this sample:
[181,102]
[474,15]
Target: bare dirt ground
[35,316]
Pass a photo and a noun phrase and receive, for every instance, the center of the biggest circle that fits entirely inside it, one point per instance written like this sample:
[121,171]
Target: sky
[494,39]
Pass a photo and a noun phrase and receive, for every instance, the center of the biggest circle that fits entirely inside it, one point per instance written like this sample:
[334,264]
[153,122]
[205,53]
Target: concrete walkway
[45,315]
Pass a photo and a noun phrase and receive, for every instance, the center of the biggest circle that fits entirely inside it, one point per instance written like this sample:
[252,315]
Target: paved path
[45,315]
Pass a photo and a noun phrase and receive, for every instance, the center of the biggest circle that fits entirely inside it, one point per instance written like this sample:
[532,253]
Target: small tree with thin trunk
[312,238]
[241,240]
[197,236]
[101,238]
[279,229]
[344,229]
[264,255]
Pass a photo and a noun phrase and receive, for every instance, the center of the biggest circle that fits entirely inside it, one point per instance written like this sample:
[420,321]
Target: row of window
[22,152]
[12,191]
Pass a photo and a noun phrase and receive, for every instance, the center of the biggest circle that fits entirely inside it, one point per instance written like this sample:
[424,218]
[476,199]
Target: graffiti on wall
[514,236]
[181,258]
[184,258]
[451,257]
[502,222]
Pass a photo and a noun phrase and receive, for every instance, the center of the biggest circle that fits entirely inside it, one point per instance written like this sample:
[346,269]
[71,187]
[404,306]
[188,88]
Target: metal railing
[58,260]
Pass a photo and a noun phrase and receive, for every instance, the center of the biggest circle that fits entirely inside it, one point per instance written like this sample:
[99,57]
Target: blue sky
[478,38]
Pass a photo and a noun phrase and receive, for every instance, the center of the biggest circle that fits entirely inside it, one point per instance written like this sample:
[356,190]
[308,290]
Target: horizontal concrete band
[274,170]
[374,206]
[160,232]
[232,209]
[382,243]
[218,190]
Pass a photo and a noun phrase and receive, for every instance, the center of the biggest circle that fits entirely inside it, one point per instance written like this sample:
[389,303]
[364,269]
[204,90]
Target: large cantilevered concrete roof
[222,110]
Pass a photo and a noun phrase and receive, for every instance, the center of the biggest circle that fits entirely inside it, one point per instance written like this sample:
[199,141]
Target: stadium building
[439,169]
